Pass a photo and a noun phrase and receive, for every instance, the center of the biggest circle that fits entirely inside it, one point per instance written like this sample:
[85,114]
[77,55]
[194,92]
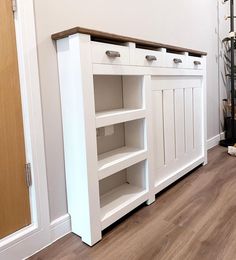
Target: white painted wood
[188,112]
[105,69]
[158,147]
[175,82]
[179,123]
[108,92]
[149,176]
[60,227]
[118,92]
[134,134]
[138,57]
[204,110]
[79,128]
[99,53]
[118,202]
[198,120]
[106,143]
[136,174]
[214,141]
[169,61]
[119,159]
[176,174]
[112,182]
[176,120]
[191,64]
[156,119]
[122,192]
[116,116]
[28,240]
[132,92]
[169,126]
[158,123]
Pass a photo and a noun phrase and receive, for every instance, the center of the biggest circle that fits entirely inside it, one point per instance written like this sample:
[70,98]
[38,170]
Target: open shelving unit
[121,144]
[118,99]
[122,192]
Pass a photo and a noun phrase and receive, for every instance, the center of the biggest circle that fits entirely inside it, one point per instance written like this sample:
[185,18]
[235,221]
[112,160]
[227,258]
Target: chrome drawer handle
[112,54]
[151,58]
[197,62]
[177,61]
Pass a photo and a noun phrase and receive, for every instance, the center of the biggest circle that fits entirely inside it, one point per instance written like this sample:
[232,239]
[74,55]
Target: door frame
[30,239]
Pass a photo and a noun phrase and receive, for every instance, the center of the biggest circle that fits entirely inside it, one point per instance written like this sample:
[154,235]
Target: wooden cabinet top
[114,38]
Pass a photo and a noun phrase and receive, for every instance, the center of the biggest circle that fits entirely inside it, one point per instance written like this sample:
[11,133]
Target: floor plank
[194,219]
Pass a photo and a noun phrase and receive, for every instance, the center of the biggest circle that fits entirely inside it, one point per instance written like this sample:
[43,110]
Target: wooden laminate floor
[194,219]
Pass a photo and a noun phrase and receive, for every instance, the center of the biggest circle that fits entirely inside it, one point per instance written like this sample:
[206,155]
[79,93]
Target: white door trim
[28,240]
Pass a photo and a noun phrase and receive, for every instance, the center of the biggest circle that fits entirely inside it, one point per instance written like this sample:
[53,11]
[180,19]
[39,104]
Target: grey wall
[224,82]
[186,23]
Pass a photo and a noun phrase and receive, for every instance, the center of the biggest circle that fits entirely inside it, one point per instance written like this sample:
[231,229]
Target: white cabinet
[133,123]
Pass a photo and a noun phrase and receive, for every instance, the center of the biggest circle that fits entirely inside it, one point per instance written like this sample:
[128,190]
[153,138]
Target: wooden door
[14,197]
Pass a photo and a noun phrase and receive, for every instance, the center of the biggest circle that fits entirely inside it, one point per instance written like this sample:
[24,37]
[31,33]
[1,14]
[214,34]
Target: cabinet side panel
[71,131]
[133,91]
[78,113]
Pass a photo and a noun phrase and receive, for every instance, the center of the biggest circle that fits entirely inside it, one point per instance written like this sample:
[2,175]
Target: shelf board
[119,159]
[119,201]
[117,116]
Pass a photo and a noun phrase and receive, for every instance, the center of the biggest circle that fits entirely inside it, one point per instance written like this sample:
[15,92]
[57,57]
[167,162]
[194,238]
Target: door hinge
[14,6]
[28,174]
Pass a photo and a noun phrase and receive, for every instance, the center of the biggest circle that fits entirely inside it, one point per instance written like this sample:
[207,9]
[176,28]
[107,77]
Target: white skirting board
[60,227]
[214,141]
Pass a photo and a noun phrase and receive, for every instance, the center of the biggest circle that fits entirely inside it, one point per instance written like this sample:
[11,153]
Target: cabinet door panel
[189,119]
[158,142]
[177,119]
[169,126]
[198,118]
[179,123]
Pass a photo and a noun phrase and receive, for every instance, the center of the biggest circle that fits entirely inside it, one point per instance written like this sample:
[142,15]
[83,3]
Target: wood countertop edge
[122,39]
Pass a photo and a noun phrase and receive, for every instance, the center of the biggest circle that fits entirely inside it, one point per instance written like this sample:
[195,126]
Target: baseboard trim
[60,227]
[214,141]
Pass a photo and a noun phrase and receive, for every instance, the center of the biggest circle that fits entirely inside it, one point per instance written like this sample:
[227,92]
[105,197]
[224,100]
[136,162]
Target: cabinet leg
[92,238]
[152,199]
[205,159]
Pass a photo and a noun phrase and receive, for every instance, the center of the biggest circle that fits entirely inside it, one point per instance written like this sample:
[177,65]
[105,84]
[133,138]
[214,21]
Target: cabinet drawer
[195,63]
[140,57]
[109,53]
[176,61]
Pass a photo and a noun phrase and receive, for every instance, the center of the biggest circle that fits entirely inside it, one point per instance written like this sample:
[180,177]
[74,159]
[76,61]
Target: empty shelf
[116,116]
[119,159]
[119,201]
